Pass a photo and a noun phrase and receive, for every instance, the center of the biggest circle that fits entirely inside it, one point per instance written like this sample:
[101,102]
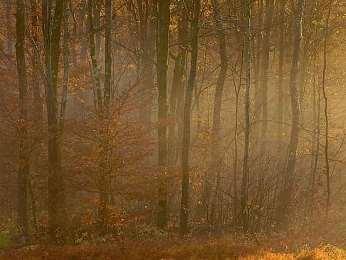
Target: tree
[289,175]
[265,70]
[184,207]
[93,10]
[9,43]
[163,16]
[52,20]
[316,110]
[215,146]
[102,103]
[143,17]
[325,97]
[177,89]
[247,69]
[146,62]
[66,70]
[37,103]
[24,160]
[257,64]
[280,83]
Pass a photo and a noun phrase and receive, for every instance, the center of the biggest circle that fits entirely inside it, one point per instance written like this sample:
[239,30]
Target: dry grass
[176,249]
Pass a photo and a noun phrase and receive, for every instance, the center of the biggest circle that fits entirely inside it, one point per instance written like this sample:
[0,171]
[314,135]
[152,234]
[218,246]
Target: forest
[172,129]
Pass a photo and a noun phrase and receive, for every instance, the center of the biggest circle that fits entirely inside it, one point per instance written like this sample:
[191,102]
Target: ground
[202,248]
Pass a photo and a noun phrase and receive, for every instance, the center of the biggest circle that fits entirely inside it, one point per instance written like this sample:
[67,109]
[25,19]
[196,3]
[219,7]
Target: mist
[172,129]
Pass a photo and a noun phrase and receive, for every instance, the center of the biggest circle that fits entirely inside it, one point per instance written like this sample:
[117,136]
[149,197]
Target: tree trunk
[56,198]
[102,102]
[37,99]
[94,60]
[247,68]
[104,178]
[325,97]
[235,163]
[287,191]
[258,69]
[66,61]
[281,104]
[184,207]
[9,43]
[108,56]
[216,152]
[37,105]
[316,142]
[162,53]
[177,90]
[147,44]
[265,72]
[24,160]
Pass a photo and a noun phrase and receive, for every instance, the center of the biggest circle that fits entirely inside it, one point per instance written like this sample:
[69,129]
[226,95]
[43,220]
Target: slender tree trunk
[184,207]
[9,42]
[258,68]
[97,5]
[177,89]
[94,60]
[108,56]
[37,99]
[24,160]
[287,191]
[37,113]
[56,198]
[247,68]
[302,79]
[215,146]
[105,179]
[66,61]
[316,142]
[102,101]
[162,53]
[325,97]
[33,204]
[265,72]
[235,164]
[147,44]
[282,53]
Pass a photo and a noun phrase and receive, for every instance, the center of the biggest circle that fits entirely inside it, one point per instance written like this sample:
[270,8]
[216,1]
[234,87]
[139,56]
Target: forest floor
[191,248]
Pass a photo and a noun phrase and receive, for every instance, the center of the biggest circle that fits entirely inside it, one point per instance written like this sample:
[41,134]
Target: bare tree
[258,52]
[102,102]
[24,160]
[147,44]
[265,70]
[53,13]
[93,10]
[316,140]
[282,53]
[184,207]
[289,175]
[325,97]
[66,70]
[247,69]
[37,99]
[9,43]
[177,90]
[215,146]
[162,53]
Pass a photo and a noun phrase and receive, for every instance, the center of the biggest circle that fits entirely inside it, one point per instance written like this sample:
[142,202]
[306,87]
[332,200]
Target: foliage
[113,155]
[223,248]
[4,239]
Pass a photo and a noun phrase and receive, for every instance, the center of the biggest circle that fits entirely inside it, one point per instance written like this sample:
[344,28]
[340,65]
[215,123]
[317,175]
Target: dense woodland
[152,119]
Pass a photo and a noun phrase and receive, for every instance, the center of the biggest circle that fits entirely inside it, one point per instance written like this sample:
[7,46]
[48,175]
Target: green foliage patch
[4,239]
